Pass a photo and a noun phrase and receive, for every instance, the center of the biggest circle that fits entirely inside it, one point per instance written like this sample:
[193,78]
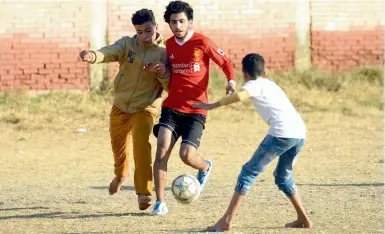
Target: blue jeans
[286,149]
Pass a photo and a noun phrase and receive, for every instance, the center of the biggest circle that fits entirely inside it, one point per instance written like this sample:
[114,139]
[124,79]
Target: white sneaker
[160,208]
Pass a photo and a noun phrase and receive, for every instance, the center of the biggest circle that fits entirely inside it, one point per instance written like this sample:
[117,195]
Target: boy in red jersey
[189,55]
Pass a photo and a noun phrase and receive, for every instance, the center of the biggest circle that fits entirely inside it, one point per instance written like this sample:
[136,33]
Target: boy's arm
[161,68]
[164,79]
[233,98]
[218,56]
[164,72]
[111,53]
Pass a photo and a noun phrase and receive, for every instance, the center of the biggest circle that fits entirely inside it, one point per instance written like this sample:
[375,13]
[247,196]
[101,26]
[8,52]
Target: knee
[187,153]
[161,155]
[161,150]
[186,157]
[162,146]
[246,179]
[286,185]
[250,172]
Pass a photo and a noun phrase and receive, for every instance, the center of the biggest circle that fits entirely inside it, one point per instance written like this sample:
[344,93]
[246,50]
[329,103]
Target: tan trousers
[140,125]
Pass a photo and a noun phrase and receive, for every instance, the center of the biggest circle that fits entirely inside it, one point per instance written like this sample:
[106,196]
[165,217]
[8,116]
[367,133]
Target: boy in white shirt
[284,140]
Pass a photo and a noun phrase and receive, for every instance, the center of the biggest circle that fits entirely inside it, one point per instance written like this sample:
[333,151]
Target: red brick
[82,65]
[60,50]
[49,46]
[54,86]
[61,70]
[67,76]
[52,66]
[20,56]
[67,58]
[7,56]
[77,70]
[55,61]
[15,72]
[7,77]
[26,79]
[40,56]
[37,77]
[8,66]
[30,70]
[81,76]
[45,71]
[37,65]
[22,66]
[38,86]
[67,65]
[51,76]
[56,41]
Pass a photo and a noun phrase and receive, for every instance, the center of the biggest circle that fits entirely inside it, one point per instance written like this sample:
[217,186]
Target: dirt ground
[54,179]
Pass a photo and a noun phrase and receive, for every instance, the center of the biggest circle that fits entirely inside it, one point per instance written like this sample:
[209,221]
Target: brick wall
[346,34]
[39,43]
[40,40]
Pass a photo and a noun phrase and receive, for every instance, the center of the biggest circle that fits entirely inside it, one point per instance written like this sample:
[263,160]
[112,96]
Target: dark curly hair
[254,65]
[143,16]
[175,7]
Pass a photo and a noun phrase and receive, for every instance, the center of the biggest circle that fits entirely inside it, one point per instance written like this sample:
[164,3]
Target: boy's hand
[162,68]
[230,89]
[155,67]
[204,106]
[86,56]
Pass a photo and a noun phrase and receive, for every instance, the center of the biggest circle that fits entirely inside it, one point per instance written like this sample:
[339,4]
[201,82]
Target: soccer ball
[186,188]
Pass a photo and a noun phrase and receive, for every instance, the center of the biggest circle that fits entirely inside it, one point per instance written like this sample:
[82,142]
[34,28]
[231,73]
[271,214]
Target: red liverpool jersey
[189,64]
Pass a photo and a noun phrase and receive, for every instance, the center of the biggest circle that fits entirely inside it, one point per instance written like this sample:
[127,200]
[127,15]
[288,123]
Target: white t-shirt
[275,108]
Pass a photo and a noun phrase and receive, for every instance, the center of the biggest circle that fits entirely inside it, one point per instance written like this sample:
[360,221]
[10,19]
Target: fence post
[98,39]
[302,36]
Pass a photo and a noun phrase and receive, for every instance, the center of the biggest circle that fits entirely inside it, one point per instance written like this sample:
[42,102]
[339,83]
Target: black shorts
[189,126]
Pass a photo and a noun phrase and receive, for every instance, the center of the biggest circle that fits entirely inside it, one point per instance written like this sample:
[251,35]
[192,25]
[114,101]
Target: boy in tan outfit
[138,87]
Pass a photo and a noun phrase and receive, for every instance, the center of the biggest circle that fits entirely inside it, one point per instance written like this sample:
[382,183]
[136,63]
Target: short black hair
[143,16]
[254,65]
[175,7]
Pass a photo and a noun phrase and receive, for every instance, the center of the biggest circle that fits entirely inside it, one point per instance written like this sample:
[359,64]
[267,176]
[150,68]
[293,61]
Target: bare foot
[144,201]
[220,226]
[115,185]
[300,224]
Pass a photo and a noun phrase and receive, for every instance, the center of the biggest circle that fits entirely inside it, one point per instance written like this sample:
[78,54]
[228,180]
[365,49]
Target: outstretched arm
[233,98]
[111,53]
[218,56]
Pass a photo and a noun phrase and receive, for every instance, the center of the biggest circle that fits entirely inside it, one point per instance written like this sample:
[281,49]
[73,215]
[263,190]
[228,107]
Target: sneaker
[203,176]
[160,208]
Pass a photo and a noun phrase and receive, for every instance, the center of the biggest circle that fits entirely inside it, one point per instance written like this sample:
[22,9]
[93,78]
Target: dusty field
[55,181]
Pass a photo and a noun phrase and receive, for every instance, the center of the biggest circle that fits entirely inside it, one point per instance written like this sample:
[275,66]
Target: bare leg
[284,180]
[224,223]
[188,154]
[302,219]
[165,144]
[116,184]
